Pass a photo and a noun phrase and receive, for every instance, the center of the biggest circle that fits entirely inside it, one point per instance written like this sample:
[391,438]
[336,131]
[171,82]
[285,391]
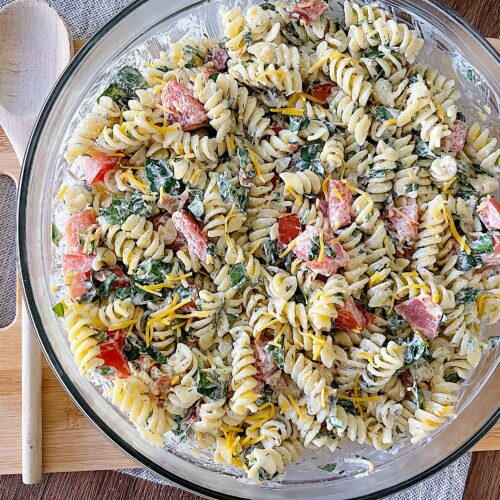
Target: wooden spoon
[34,49]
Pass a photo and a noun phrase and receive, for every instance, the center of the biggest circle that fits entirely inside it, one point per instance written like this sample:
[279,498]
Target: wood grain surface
[484,479]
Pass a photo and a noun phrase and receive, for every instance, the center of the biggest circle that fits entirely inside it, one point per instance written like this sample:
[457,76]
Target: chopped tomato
[308,10]
[219,57]
[339,204]
[111,352]
[456,140]
[96,164]
[403,222]
[489,213]
[352,316]
[328,265]
[76,269]
[75,225]
[276,127]
[289,228]
[322,91]
[185,109]
[197,240]
[422,314]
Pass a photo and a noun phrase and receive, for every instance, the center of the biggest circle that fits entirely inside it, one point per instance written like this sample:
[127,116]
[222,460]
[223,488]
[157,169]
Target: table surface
[483,481]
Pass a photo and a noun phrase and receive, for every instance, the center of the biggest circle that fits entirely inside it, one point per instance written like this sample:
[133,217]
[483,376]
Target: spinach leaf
[212,250]
[483,244]
[298,123]
[299,297]
[238,195]
[372,52]
[330,251]
[213,76]
[271,251]
[313,248]
[59,310]
[409,188]
[422,149]
[382,114]
[121,209]
[184,292]
[467,295]
[124,84]
[196,206]
[466,262]
[347,404]
[54,235]
[418,395]
[453,378]
[182,429]
[328,467]
[277,353]
[395,323]
[97,291]
[415,349]
[307,159]
[133,348]
[192,57]
[160,175]
[291,34]
[246,164]
[267,6]
[124,292]
[151,272]
[238,275]
[208,384]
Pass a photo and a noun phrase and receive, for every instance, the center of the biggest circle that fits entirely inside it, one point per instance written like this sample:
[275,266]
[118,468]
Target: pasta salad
[283,239]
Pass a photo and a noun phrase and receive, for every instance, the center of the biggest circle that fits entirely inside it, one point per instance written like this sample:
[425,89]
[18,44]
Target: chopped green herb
[453,377]
[192,57]
[422,149]
[151,272]
[396,323]
[238,275]
[97,291]
[124,84]
[212,250]
[409,188]
[59,310]
[213,76]
[382,114]
[267,6]
[308,159]
[246,164]
[466,262]
[104,370]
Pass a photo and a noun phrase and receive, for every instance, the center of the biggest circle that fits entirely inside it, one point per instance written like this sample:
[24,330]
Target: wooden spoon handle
[31,426]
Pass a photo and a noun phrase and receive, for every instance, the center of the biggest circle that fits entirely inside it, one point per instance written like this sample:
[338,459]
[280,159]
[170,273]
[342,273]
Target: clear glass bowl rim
[66,381]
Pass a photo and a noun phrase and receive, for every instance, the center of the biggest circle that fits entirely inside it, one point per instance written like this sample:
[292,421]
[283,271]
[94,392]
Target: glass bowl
[142,30]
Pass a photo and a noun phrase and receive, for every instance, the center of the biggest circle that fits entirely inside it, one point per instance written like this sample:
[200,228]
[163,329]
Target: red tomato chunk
[76,224]
[111,352]
[422,314]
[183,106]
[288,228]
[352,316]
[95,166]
[322,91]
[197,240]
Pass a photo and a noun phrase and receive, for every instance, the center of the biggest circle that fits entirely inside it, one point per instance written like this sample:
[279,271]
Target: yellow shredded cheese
[324,185]
[460,239]
[447,186]
[154,292]
[256,165]
[141,186]
[297,408]
[119,326]
[288,111]
[321,247]
[61,192]
[288,249]
[376,279]
[290,189]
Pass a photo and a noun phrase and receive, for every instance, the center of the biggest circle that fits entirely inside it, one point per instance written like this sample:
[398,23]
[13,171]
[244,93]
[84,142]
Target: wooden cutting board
[70,442]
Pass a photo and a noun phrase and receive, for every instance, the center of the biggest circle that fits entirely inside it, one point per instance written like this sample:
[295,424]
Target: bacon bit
[422,314]
[455,141]
[339,204]
[489,213]
[308,11]
[403,222]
